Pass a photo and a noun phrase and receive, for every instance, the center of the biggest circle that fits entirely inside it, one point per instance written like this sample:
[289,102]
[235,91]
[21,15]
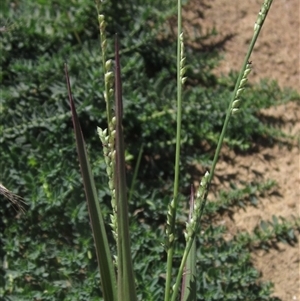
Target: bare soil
[276,57]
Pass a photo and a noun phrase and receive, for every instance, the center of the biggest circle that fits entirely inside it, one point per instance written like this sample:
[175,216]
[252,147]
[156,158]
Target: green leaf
[126,281]
[105,263]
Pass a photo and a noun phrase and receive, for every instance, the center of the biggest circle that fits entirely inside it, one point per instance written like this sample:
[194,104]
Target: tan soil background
[276,56]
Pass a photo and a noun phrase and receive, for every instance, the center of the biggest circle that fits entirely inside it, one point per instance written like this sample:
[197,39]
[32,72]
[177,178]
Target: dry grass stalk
[16,200]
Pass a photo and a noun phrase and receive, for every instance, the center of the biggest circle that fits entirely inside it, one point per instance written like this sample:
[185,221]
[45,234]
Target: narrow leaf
[126,281]
[108,278]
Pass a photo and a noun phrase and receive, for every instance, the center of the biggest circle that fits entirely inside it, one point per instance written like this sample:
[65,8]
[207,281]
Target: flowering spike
[262,15]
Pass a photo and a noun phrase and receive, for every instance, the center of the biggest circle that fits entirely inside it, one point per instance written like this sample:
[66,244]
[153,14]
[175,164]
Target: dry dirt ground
[276,56]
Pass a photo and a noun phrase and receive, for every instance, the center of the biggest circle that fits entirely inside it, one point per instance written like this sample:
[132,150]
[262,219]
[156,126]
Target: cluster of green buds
[109,157]
[108,73]
[262,15]
[169,232]
[182,60]
[107,137]
[108,96]
[237,100]
[108,80]
[193,223]
[102,27]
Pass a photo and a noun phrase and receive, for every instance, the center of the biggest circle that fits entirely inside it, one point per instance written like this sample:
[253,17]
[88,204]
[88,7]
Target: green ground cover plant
[48,252]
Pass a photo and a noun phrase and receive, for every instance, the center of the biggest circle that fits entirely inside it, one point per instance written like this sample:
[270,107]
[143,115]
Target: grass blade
[108,278]
[135,173]
[126,281]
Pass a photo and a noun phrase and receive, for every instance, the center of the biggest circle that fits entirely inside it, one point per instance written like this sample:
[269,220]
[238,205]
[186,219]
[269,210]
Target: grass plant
[116,173]
[48,253]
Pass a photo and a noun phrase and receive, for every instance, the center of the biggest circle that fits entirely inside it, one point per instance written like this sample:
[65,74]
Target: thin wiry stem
[232,109]
[174,204]
[239,87]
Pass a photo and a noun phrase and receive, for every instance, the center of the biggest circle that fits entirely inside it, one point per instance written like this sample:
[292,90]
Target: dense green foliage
[47,253]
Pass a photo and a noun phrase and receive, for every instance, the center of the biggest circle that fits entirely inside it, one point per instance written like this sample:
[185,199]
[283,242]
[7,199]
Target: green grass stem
[246,64]
[239,87]
[174,204]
